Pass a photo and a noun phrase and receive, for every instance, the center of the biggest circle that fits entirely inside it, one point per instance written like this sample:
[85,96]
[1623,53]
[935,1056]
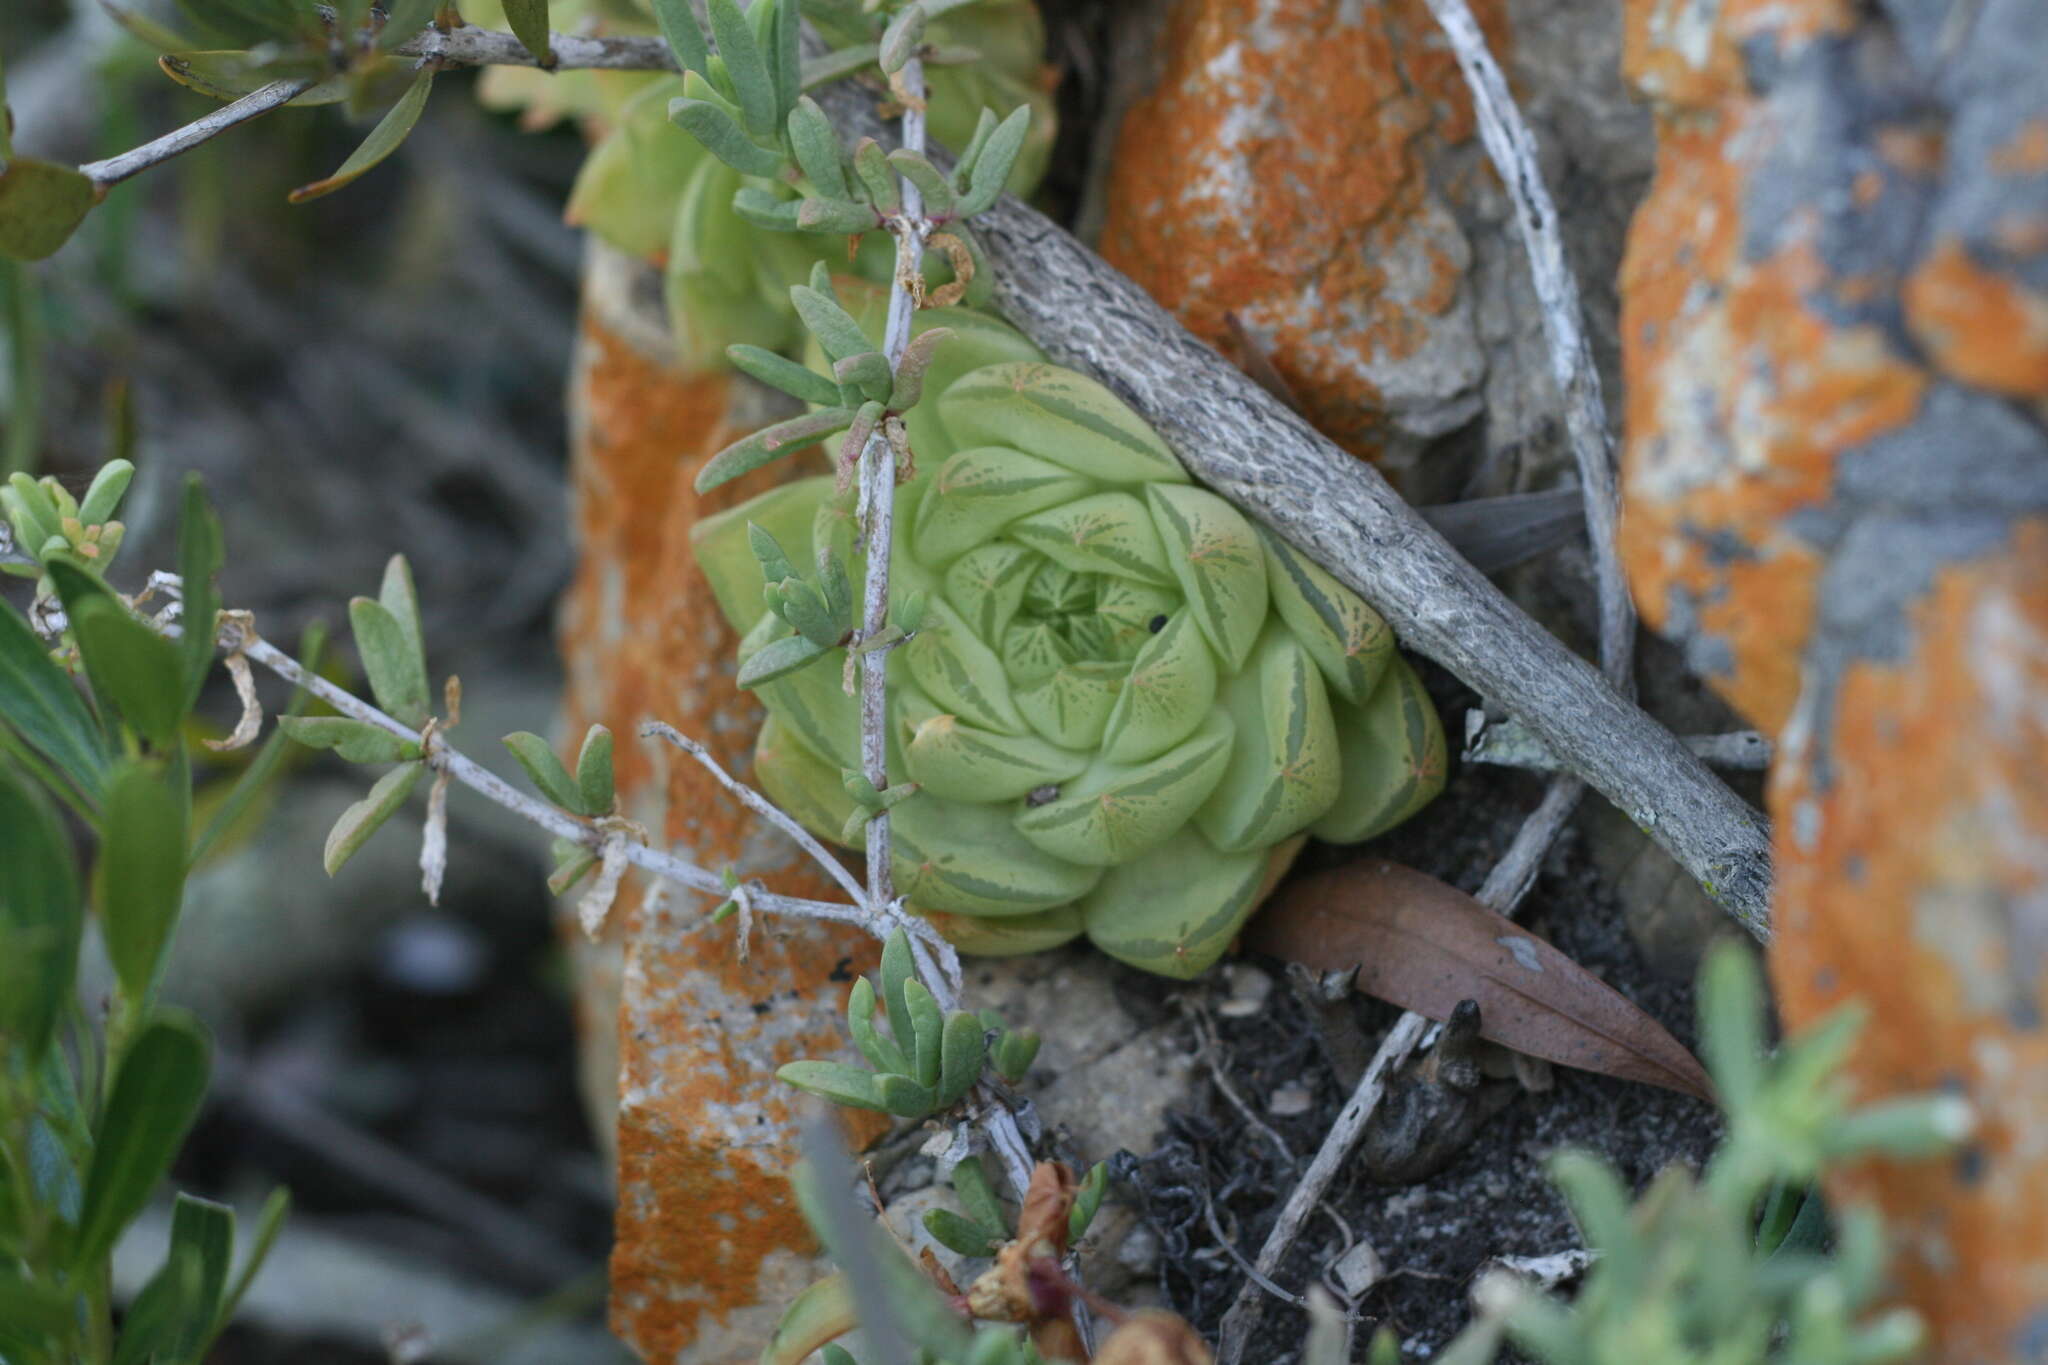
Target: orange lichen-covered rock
[1279,171]
[1836,354]
[683,1035]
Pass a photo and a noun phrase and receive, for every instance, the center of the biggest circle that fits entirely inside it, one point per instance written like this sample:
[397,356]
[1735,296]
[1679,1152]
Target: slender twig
[115,169]
[759,805]
[1513,150]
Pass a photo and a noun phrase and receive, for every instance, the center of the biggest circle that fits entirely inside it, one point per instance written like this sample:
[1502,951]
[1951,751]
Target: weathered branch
[1248,446]
[115,169]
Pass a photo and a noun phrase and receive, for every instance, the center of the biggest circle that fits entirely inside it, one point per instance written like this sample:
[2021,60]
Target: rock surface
[1835,323]
[1299,181]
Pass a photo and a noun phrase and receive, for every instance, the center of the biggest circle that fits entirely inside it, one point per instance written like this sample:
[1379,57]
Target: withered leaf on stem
[1424,945]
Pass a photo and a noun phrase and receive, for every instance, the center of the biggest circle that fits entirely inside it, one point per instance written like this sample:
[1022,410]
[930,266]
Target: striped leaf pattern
[1125,706]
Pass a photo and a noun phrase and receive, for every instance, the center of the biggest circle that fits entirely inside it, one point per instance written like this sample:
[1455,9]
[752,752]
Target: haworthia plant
[1124,705]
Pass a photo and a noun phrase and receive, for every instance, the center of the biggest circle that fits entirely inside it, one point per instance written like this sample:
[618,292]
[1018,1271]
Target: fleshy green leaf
[904,1097]
[678,21]
[163,1309]
[817,149]
[770,444]
[962,1049]
[780,372]
[936,189]
[746,64]
[41,205]
[871,168]
[139,881]
[723,137]
[537,757]
[155,1097]
[836,1082]
[384,139]
[978,1197]
[778,659]
[899,969]
[365,817]
[836,216]
[960,1235]
[992,167]
[594,772]
[1087,1200]
[901,38]
[392,659]
[928,1025]
[878,1047]
[103,496]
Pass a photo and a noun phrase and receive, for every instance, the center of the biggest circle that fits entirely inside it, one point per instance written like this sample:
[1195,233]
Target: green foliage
[927,1059]
[97,1119]
[1686,1274]
[1114,704]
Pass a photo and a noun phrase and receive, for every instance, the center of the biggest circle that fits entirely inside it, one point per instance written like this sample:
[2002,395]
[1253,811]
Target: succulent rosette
[652,190]
[1125,706]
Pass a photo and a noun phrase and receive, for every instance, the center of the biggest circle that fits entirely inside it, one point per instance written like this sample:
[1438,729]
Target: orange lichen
[1277,172]
[1983,327]
[705,1133]
[1912,880]
[1907,802]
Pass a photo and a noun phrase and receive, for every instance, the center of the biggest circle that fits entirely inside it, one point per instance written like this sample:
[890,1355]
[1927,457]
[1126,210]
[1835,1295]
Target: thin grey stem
[1513,149]
[759,805]
[115,169]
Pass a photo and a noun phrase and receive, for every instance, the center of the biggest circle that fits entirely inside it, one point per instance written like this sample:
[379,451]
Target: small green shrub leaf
[836,1082]
[133,669]
[41,205]
[594,772]
[537,757]
[770,444]
[41,918]
[778,659]
[878,1047]
[992,166]
[139,881]
[904,1097]
[746,64]
[780,372]
[959,1235]
[368,815]
[208,1230]
[529,23]
[1087,1200]
[392,659]
[358,741]
[962,1049]
[723,137]
[678,23]
[384,139]
[156,1095]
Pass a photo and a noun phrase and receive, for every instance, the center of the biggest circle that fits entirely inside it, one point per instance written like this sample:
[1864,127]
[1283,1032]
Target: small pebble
[1290,1100]
[1359,1269]
[1249,988]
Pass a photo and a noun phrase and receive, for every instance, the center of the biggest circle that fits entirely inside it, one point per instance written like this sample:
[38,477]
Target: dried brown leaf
[1154,1337]
[1425,946]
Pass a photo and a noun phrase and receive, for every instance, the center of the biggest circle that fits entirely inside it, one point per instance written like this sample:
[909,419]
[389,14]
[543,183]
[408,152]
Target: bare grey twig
[1513,149]
[115,169]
